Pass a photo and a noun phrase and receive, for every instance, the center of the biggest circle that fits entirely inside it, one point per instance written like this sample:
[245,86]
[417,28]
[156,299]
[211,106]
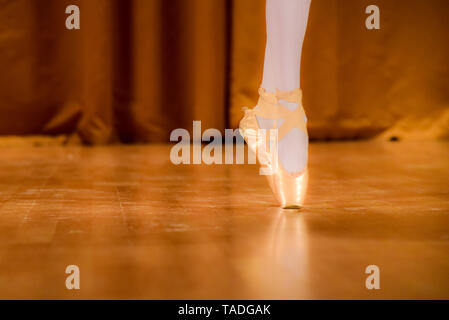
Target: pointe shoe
[288,189]
[249,126]
[249,130]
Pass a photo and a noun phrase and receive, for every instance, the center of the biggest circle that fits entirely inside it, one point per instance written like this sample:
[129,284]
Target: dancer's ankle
[289,105]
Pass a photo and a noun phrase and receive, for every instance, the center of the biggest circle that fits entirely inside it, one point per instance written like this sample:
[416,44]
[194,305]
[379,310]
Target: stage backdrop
[138,69]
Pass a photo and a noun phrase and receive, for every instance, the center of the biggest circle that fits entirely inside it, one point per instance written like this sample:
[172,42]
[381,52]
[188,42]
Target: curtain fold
[391,83]
[135,71]
[138,69]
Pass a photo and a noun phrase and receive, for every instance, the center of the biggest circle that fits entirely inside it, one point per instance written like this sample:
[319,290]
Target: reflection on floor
[140,227]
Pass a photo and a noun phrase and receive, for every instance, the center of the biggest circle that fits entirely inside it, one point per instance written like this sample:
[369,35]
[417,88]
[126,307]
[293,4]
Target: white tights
[286,28]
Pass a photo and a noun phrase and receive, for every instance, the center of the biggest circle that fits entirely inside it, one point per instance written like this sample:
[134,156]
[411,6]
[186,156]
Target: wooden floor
[139,227]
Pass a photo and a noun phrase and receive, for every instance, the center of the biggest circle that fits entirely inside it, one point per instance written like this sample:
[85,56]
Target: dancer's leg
[286,28]
[269,77]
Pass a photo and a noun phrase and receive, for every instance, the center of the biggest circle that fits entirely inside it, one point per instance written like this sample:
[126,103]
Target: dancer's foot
[284,112]
[293,147]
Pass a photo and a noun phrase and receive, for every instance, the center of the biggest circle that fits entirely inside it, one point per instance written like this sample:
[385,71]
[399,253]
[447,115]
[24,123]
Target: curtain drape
[138,69]
[391,83]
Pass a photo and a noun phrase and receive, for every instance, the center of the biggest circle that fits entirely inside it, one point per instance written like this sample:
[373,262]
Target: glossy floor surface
[139,227]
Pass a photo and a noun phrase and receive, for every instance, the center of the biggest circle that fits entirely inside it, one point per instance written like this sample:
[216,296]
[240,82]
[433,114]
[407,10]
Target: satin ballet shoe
[249,126]
[289,189]
[249,130]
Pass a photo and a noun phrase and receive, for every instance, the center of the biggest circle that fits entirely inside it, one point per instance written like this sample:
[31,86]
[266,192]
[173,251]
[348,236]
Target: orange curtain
[138,69]
[391,83]
[135,71]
